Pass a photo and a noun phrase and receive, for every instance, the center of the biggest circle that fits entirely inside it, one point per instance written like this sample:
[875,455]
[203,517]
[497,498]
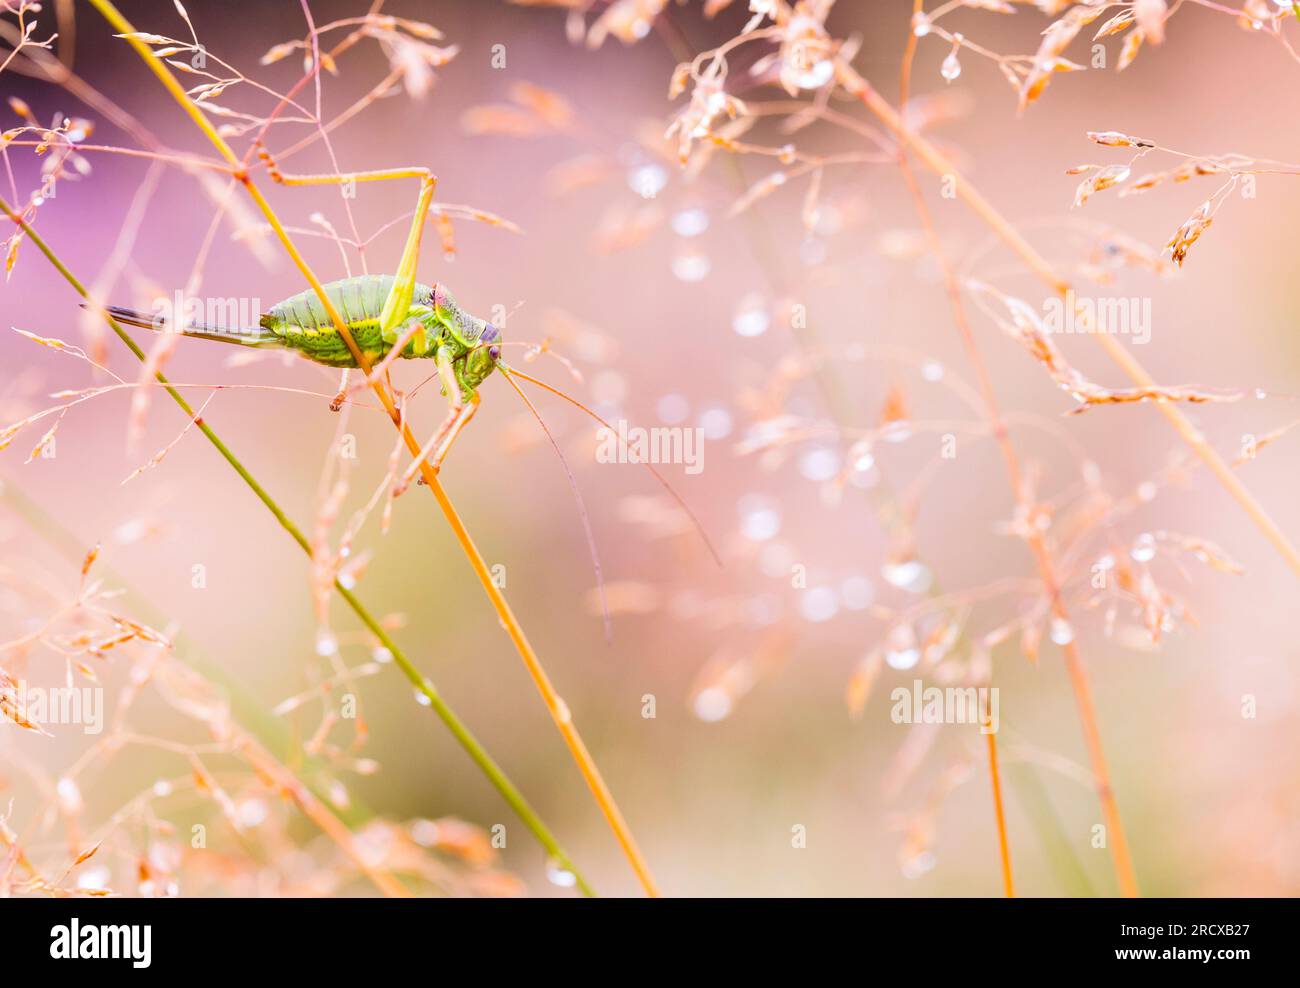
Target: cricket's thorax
[302,323]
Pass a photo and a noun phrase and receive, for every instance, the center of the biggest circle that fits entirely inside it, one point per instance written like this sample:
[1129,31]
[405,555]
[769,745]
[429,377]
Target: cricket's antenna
[577,494]
[681,501]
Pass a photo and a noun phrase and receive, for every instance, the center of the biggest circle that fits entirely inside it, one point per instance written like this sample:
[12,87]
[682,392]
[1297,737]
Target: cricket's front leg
[457,421]
[447,375]
[459,412]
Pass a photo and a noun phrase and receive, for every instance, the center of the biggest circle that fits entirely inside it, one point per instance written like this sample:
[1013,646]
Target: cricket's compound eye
[490,334]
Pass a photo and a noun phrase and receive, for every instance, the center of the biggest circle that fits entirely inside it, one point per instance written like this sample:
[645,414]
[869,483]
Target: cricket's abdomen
[303,324]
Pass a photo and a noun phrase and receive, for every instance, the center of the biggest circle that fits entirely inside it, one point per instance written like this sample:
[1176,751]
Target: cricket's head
[485,351]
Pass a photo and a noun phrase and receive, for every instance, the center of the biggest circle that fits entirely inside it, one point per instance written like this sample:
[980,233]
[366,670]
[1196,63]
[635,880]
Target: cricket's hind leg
[402,293]
[461,409]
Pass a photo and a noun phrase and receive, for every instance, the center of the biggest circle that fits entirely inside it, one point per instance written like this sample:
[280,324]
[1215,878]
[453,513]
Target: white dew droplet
[932,371]
[130,531]
[381,655]
[253,812]
[760,517]
[820,463]
[69,796]
[902,658]
[752,317]
[425,832]
[896,432]
[1061,631]
[337,793]
[326,643]
[712,704]
[97,877]
[422,699]
[162,788]
[910,575]
[816,76]
[691,265]
[951,67]
[647,180]
[563,715]
[690,222]
[1144,548]
[716,422]
[558,874]
[819,604]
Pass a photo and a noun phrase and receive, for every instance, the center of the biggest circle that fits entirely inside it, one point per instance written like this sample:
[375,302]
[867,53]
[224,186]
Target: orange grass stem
[559,711]
[1008,883]
[1039,265]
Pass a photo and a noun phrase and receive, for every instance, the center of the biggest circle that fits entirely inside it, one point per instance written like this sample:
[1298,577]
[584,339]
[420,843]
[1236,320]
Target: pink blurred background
[1209,798]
